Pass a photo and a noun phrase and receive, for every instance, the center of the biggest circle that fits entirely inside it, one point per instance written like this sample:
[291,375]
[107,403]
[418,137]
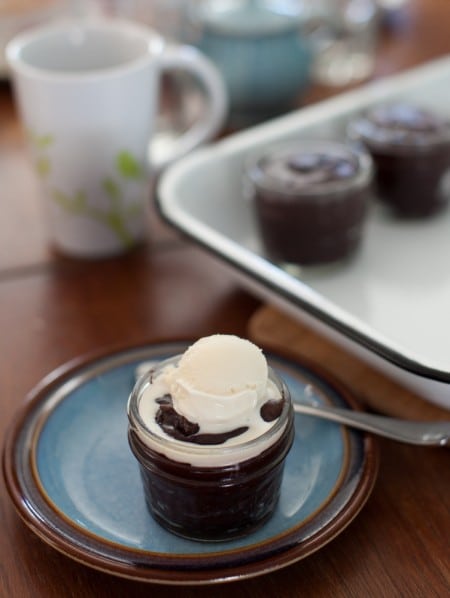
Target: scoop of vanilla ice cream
[220,382]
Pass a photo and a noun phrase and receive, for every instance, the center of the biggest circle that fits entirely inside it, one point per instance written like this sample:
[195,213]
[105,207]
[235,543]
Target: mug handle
[190,60]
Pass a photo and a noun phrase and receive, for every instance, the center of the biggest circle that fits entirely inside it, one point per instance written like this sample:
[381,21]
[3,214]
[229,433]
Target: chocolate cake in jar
[211,429]
[310,200]
[410,146]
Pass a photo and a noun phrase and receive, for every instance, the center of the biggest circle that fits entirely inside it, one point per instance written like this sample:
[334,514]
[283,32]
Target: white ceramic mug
[88,93]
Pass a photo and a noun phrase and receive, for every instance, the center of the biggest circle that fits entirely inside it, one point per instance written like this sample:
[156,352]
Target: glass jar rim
[191,449]
[361,179]
[357,133]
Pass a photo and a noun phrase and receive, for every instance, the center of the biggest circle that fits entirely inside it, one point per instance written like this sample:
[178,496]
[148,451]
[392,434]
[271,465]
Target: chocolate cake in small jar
[310,200]
[210,430]
[410,147]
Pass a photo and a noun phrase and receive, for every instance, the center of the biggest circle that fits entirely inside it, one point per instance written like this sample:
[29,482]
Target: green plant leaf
[128,166]
[113,219]
[79,202]
[40,142]
[44,141]
[42,166]
[112,189]
[135,209]
[76,204]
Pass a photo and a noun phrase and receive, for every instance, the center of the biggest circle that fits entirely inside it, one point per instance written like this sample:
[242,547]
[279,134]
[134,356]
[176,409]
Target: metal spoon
[423,433]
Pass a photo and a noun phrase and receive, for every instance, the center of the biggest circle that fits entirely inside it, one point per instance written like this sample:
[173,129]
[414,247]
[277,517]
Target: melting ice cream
[218,393]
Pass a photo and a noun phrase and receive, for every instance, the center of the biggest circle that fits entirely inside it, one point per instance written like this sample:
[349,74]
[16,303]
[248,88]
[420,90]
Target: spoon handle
[412,432]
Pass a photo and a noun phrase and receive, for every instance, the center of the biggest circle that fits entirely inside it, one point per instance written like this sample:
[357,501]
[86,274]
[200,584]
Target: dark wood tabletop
[53,309]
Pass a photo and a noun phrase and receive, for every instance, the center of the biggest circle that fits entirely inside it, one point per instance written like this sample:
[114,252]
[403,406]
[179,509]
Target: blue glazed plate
[75,482]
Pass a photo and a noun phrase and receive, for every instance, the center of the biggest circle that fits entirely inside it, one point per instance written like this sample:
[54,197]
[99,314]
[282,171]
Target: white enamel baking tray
[390,303]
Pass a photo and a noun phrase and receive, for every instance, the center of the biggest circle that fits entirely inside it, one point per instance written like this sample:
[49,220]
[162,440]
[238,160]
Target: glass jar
[410,146]
[344,36]
[210,492]
[310,200]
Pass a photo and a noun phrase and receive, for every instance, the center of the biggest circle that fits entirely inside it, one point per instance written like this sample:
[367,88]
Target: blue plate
[75,482]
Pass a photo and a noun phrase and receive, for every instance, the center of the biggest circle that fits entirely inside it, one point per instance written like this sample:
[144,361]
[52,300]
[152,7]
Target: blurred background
[272,53]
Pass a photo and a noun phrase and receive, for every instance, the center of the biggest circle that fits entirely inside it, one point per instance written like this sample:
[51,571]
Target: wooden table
[53,309]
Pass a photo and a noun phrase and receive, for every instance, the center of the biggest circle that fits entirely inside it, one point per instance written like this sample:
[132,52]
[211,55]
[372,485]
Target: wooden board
[270,327]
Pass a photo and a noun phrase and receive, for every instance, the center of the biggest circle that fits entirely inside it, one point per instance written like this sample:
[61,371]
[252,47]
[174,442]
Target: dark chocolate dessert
[310,201]
[411,150]
[211,474]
